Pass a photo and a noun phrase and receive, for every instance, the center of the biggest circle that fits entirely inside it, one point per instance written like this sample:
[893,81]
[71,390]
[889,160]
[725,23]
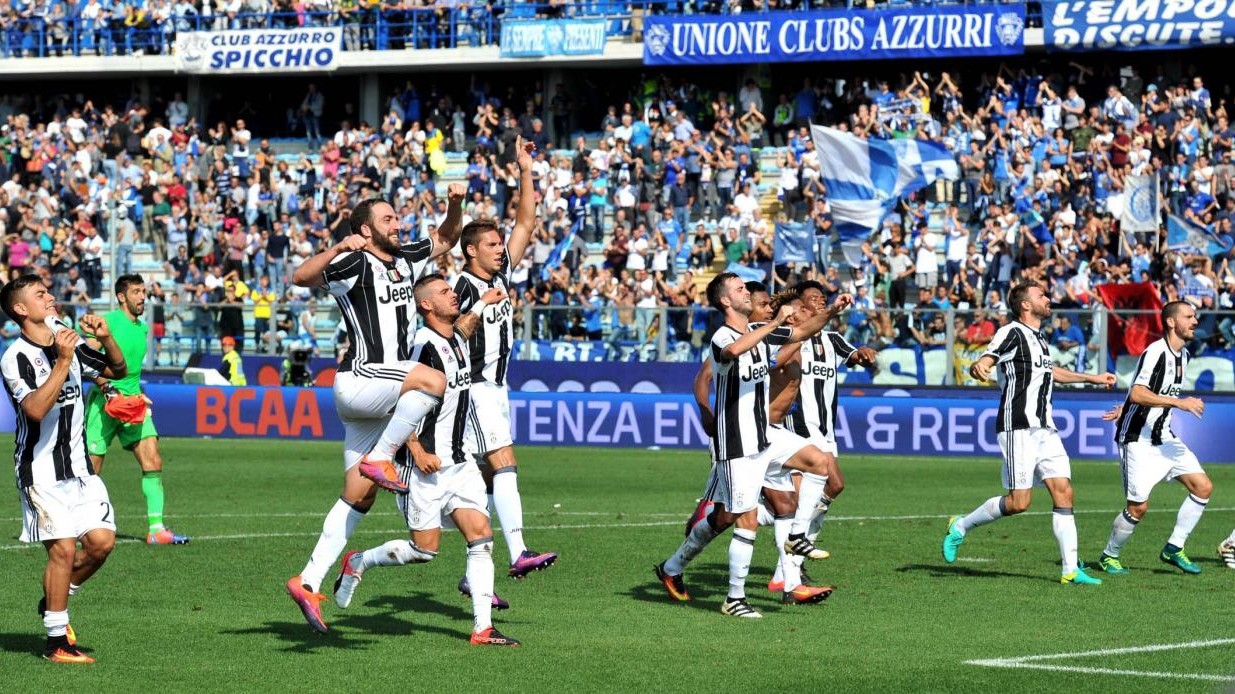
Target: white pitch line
[1032,662]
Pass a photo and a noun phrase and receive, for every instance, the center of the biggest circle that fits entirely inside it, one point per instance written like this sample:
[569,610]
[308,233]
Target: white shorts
[738,482]
[1032,455]
[67,509]
[432,498]
[1145,465]
[490,413]
[370,391]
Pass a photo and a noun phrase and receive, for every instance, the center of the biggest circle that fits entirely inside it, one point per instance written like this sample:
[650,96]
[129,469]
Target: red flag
[1132,332]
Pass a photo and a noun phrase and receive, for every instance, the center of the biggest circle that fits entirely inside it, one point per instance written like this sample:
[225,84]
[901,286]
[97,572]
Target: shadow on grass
[300,638]
[944,570]
[28,643]
[708,585]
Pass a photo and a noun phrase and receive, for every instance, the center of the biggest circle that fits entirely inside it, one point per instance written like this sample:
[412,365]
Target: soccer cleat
[803,547]
[384,474]
[492,637]
[673,584]
[701,511]
[166,537]
[1112,565]
[1226,552]
[466,591]
[775,586]
[1080,578]
[738,607]
[806,595]
[345,584]
[310,604]
[67,654]
[531,561]
[952,541]
[1180,560]
[68,628]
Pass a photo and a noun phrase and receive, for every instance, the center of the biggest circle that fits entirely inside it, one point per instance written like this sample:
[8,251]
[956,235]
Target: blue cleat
[1080,578]
[1112,565]
[1175,557]
[952,541]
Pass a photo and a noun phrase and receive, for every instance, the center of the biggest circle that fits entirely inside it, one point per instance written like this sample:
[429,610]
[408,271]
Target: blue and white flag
[864,178]
[1140,211]
[792,243]
[746,273]
[559,251]
[1184,236]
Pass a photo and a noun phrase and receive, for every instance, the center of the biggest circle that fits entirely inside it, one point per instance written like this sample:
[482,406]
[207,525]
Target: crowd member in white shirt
[927,261]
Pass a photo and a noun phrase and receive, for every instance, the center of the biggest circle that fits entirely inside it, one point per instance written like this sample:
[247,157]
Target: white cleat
[1226,551]
[345,584]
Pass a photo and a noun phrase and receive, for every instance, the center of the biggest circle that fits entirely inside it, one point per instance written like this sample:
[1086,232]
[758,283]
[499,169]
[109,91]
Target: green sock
[152,488]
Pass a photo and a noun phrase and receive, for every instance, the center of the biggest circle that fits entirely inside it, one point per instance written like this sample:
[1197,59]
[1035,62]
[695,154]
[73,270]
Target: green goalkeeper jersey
[131,336]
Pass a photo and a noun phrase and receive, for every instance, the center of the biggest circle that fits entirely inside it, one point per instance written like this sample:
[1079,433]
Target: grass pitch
[213,616]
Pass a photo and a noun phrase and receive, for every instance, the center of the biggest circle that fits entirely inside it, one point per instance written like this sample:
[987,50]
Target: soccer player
[131,333]
[380,393]
[63,502]
[487,263]
[442,479]
[1226,551]
[1033,453]
[1150,451]
[809,373]
[749,454]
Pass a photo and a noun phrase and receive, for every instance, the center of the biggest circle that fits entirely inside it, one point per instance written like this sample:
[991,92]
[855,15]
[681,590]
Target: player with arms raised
[487,264]
[1149,451]
[62,500]
[1033,453]
[131,334]
[381,394]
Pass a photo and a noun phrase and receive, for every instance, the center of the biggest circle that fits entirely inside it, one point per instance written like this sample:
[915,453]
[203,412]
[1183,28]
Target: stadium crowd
[674,182]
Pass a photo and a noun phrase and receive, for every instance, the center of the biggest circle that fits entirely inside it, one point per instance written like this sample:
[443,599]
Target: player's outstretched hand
[980,371]
[523,153]
[354,242]
[842,302]
[66,342]
[1113,413]
[1105,380]
[493,296]
[1192,405]
[865,356]
[427,463]
[95,325]
[455,193]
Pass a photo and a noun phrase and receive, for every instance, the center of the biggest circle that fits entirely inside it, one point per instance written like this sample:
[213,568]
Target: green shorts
[101,428]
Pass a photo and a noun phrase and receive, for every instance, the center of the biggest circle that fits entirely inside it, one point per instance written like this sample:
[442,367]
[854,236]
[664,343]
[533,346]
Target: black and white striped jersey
[741,394]
[495,336]
[54,449]
[375,298]
[446,431]
[814,412]
[1025,373]
[1161,370]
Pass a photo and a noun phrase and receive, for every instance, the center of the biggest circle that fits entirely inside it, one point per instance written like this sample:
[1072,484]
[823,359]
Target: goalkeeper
[119,409]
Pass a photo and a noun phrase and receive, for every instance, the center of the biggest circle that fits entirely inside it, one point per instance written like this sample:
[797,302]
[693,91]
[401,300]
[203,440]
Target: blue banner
[841,34]
[547,37]
[793,243]
[261,51]
[1125,25]
[866,424]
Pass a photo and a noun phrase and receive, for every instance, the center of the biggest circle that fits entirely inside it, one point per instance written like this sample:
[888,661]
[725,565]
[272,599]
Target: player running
[1149,451]
[63,502]
[487,262]
[749,454]
[380,393]
[131,334]
[1033,453]
[442,479]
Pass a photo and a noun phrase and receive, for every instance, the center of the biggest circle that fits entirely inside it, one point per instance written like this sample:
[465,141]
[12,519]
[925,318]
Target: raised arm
[750,340]
[525,216]
[312,273]
[447,235]
[817,322]
[1065,376]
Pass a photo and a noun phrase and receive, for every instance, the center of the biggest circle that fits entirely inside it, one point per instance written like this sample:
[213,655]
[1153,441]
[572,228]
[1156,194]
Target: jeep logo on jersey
[396,294]
[462,379]
[755,372]
[821,371]
[69,392]
[1044,362]
[501,314]
[1173,391]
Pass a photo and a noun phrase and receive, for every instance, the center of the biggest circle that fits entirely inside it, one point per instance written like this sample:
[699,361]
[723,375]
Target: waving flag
[864,178]
[1132,332]
[793,243]
[1182,235]
[559,251]
[1141,206]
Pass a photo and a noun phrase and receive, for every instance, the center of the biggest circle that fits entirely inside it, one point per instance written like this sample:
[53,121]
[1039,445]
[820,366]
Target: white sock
[785,567]
[990,511]
[818,516]
[1189,515]
[741,548]
[412,407]
[1231,539]
[336,529]
[73,588]
[393,553]
[509,508]
[480,580]
[766,517]
[1121,532]
[809,495]
[1064,525]
[700,536]
[56,623]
